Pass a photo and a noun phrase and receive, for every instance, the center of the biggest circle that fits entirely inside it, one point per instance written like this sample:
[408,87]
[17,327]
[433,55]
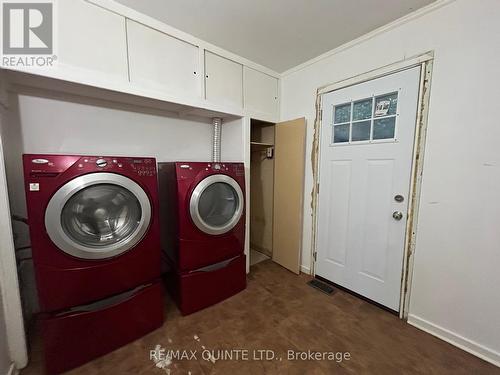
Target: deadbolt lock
[397,215]
[399,198]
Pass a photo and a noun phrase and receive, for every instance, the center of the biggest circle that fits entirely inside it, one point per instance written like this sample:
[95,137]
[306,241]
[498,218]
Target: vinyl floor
[278,314]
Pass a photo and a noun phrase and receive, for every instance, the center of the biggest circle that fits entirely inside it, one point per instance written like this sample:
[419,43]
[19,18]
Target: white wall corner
[14,323]
[455,339]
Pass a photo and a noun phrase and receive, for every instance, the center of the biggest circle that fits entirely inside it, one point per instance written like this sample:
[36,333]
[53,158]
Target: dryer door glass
[218,203]
[101,215]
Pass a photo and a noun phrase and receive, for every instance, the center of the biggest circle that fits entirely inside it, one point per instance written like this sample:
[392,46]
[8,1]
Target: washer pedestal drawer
[78,335]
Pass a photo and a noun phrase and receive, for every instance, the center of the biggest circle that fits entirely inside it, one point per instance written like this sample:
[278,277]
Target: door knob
[397,215]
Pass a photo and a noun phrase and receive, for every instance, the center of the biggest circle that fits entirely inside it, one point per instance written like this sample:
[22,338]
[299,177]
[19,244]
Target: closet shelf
[261,145]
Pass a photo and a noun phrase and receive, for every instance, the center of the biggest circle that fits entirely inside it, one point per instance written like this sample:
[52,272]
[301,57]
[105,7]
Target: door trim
[56,204]
[425,61]
[195,199]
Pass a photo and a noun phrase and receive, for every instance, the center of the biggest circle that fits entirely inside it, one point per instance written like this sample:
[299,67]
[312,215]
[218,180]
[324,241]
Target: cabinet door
[92,38]
[261,92]
[162,62]
[223,80]
[289,162]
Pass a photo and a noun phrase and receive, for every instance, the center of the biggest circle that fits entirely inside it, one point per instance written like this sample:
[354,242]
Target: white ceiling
[279,34]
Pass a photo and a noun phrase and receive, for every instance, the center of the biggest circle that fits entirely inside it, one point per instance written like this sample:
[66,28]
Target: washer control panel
[144,167]
[140,166]
[101,163]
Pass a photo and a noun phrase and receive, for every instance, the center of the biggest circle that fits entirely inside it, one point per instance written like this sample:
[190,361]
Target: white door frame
[425,61]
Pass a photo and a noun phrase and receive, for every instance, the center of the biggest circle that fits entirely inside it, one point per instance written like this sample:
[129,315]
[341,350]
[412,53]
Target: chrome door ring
[195,199]
[59,199]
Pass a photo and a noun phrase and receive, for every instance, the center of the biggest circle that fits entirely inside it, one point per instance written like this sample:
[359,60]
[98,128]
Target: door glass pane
[361,131]
[362,110]
[342,113]
[384,128]
[218,203]
[341,133]
[386,105]
[101,215]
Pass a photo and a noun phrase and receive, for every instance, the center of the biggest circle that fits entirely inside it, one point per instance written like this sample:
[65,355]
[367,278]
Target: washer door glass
[98,216]
[101,215]
[216,204]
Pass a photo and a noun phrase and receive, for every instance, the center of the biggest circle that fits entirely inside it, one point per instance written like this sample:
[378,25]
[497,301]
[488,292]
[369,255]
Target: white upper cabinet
[104,44]
[161,62]
[223,80]
[261,92]
[92,39]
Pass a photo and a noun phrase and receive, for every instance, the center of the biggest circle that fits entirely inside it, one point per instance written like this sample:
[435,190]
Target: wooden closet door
[288,193]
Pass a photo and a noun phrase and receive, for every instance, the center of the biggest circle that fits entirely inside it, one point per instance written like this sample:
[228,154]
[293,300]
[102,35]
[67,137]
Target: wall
[232,140]
[457,257]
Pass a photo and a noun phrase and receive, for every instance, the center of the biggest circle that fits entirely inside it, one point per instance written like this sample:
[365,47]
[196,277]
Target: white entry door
[367,136]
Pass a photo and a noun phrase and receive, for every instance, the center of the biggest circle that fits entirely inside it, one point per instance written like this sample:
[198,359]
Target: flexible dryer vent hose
[216,151]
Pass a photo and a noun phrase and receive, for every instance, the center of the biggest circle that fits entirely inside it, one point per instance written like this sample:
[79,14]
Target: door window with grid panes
[366,120]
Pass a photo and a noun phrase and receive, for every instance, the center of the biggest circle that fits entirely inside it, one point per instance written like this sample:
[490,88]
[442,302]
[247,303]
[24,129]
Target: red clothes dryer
[202,209]
[94,231]
[203,212]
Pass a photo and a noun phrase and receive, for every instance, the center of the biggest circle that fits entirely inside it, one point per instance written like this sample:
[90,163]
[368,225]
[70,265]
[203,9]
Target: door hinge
[320,115]
[315,256]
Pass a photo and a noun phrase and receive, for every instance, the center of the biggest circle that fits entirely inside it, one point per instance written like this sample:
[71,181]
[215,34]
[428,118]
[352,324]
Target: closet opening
[262,136]
[277,162]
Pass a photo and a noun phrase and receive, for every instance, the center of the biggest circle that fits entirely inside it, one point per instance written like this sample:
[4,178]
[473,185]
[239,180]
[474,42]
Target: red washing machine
[96,250]
[202,208]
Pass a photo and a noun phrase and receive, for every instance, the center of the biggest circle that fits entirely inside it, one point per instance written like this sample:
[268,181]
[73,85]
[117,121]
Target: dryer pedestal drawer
[78,335]
[196,290]
[217,249]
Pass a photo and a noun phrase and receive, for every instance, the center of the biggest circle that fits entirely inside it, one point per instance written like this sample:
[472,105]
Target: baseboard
[461,342]
[305,270]
[12,370]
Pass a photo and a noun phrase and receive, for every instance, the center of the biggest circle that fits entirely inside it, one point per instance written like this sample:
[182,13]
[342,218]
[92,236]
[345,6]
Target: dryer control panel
[191,170]
[217,167]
